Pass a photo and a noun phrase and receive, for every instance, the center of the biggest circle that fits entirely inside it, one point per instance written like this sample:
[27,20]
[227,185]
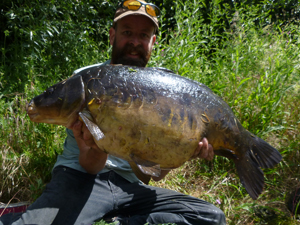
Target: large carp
[154,119]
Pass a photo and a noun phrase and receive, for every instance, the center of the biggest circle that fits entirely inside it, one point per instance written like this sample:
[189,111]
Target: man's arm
[91,158]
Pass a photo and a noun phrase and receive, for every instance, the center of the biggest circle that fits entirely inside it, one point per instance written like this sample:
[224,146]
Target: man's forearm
[92,160]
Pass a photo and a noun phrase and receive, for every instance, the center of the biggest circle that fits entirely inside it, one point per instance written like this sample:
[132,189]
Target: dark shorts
[73,197]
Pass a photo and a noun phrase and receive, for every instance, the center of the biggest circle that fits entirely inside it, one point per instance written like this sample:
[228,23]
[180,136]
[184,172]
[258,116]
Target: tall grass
[28,151]
[254,68]
[256,71]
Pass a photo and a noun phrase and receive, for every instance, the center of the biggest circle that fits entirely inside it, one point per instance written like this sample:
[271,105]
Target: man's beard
[119,55]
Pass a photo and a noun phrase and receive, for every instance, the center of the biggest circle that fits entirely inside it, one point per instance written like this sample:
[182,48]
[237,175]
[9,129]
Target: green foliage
[29,150]
[237,49]
[48,40]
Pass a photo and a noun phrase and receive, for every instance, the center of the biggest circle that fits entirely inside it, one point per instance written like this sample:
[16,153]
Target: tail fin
[265,154]
[259,154]
[251,176]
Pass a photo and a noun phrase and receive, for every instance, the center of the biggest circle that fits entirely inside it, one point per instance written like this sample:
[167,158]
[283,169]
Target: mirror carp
[154,119]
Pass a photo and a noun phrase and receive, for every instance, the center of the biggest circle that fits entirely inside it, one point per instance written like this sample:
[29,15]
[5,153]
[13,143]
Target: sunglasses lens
[125,3]
[152,11]
[132,5]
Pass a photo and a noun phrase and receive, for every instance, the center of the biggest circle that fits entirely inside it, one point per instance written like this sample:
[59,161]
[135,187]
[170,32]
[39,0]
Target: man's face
[132,41]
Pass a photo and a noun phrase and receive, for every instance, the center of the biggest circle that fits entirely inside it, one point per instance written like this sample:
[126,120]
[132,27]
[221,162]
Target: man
[88,185]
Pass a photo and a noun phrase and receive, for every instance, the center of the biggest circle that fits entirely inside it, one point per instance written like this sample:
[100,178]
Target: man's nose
[135,41]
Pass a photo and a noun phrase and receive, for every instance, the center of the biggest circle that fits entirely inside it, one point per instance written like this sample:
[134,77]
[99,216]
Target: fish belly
[163,132]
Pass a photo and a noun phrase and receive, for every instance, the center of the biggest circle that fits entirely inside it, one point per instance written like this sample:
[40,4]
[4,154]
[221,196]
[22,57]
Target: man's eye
[127,32]
[145,36]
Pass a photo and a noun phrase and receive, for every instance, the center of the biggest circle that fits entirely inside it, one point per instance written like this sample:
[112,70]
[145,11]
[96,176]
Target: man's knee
[218,215]
[221,216]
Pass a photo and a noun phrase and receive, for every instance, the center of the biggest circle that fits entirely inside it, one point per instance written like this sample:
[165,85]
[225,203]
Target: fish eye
[49,91]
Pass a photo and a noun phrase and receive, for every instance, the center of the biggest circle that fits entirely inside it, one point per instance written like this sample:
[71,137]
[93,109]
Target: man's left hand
[204,150]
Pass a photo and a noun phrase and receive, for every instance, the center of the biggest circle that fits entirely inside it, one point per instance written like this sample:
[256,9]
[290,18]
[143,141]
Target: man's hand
[204,150]
[91,157]
[83,136]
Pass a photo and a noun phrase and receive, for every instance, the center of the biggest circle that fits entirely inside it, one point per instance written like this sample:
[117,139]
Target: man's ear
[112,35]
[153,40]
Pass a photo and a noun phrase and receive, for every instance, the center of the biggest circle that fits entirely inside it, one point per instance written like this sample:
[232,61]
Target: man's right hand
[91,157]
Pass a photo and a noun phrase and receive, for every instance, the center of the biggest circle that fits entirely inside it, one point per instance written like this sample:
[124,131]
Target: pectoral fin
[93,128]
[139,174]
[230,154]
[147,167]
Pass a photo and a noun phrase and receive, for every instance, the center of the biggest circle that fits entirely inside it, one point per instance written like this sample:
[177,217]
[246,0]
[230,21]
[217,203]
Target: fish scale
[154,119]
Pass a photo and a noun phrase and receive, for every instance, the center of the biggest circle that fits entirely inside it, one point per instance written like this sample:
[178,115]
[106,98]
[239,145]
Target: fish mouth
[31,110]
[32,115]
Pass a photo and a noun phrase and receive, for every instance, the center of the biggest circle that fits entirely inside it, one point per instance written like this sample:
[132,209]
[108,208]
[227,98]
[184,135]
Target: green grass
[255,69]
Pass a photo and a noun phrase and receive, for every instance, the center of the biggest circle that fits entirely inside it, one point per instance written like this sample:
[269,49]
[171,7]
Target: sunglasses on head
[134,5]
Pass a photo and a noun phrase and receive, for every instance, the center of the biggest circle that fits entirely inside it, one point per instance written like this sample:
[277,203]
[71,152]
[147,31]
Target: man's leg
[62,201]
[138,204]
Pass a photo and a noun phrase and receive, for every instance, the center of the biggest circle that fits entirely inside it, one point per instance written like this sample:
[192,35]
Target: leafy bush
[51,39]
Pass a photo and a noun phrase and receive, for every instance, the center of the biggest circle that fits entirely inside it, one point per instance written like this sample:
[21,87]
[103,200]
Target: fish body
[154,119]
